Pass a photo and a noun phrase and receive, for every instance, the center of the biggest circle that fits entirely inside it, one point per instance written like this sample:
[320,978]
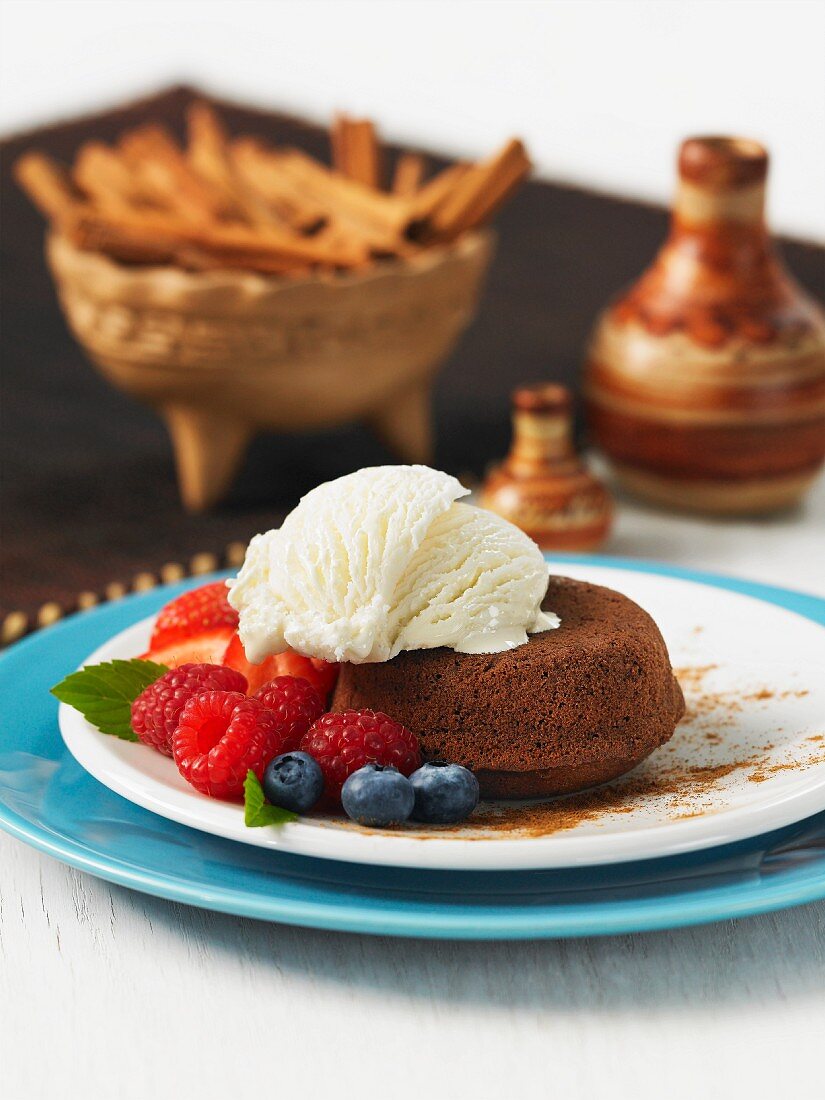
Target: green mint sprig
[104,693]
[256,810]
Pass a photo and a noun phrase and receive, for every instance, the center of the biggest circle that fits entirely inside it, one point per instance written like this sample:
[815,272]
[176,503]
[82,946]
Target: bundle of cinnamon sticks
[222,202]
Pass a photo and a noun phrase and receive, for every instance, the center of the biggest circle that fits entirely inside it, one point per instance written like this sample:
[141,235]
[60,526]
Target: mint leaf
[256,810]
[104,693]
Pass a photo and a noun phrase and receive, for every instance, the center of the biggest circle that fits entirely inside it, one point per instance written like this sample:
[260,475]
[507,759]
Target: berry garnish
[208,648]
[321,674]
[104,693]
[377,795]
[257,812]
[444,793]
[294,701]
[156,710]
[343,743]
[200,611]
[220,737]
[293,781]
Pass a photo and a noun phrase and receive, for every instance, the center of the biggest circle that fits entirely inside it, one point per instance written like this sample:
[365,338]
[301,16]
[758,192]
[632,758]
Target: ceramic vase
[705,381]
[542,486]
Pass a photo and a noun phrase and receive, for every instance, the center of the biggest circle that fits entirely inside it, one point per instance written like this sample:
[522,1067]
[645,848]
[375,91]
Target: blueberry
[293,781]
[444,793]
[377,795]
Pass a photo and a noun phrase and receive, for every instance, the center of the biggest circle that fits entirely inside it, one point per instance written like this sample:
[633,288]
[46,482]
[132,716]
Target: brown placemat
[14,625]
[88,493]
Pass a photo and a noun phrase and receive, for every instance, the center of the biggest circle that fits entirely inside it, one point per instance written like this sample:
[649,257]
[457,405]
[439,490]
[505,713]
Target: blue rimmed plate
[48,800]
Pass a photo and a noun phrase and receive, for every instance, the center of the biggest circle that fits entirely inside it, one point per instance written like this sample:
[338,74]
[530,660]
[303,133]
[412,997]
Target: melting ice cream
[385,560]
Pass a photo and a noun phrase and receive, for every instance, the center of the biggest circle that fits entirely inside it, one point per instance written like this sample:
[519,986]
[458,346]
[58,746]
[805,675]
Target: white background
[602,90]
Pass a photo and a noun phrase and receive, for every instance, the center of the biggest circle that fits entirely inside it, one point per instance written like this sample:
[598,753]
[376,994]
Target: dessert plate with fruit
[381,740]
[396,686]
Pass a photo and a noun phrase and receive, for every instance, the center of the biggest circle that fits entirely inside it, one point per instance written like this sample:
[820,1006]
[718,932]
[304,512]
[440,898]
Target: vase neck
[721,181]
[542,428]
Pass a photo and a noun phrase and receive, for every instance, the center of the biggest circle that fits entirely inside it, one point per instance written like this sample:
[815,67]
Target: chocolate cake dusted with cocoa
[572,708]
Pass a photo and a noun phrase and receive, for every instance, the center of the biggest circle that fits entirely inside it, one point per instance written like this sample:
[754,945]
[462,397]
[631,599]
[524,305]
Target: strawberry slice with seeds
[196,613]
[321,674]
[206,648]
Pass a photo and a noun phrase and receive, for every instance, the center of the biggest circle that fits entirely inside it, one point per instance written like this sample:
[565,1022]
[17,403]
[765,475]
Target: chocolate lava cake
[574,707]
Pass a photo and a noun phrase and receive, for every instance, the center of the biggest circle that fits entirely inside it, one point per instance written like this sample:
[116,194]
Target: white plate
[754,730]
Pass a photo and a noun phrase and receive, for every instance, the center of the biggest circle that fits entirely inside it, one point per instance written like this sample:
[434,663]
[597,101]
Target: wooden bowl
[223,355]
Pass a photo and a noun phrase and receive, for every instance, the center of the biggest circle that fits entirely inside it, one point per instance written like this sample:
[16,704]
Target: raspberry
[295,703]
[220,736]
[156,710]
[343,743]
[200,611]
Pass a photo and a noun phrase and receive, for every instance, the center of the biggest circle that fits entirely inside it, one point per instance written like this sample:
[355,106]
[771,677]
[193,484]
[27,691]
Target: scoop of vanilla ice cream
[384,560]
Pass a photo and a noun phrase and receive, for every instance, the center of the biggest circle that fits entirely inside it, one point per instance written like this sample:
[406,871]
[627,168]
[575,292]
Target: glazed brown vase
[542,486]
[705,382]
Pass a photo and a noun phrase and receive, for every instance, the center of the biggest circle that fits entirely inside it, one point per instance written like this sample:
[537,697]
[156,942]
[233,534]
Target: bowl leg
[405,424]
[209,449]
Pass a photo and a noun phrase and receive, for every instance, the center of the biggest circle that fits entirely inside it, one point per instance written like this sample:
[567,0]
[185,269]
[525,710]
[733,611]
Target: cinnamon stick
[259,171]
[193,258]
[435,191]
[355,151]
[103,174]
[121,237]
[409,175]
[238,204]
[158,238]
[162,167]
[48,184]
[480,192]
[295,181]
[381,218]
[208,154]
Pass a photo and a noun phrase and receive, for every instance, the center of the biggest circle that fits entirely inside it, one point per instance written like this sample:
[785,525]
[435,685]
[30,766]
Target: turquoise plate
[48,801]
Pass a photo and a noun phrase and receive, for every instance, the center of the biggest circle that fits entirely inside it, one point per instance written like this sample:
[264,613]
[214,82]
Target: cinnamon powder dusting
[683,776]
[681,787]
[678,774]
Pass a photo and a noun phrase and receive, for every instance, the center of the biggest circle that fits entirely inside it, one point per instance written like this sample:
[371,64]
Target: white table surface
[106,993]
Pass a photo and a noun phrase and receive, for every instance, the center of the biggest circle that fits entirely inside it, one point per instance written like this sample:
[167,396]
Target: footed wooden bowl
[224,355]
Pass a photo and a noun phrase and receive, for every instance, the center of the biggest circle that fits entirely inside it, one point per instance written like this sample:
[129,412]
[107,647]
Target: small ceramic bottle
[705,382]
[542,486]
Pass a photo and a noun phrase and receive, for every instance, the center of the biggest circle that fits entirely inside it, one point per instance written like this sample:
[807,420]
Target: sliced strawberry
[256,675]
[193,614]
[208,648]
[320,674]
